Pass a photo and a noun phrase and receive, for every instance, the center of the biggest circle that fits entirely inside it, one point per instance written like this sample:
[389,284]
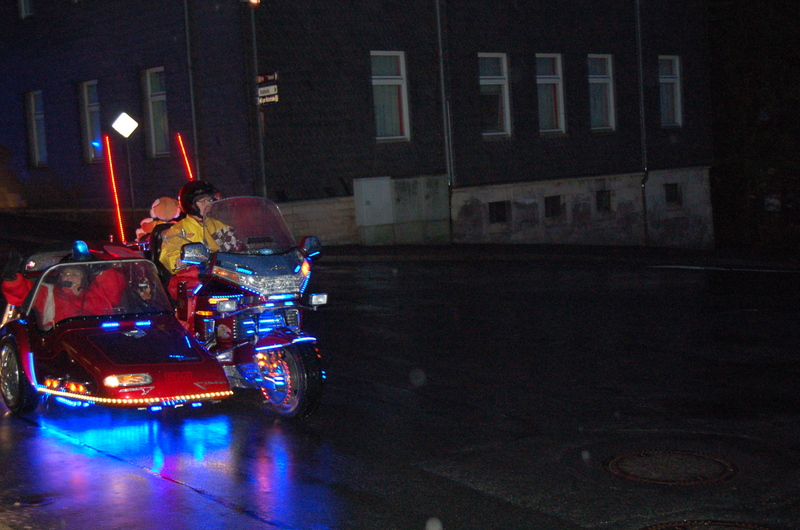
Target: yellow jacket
[187,230]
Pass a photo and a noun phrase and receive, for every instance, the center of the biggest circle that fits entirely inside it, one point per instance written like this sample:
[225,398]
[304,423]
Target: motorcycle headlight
[226,306]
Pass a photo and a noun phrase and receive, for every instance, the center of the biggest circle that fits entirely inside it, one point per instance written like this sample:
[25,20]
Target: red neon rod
[114,187]
[185,158]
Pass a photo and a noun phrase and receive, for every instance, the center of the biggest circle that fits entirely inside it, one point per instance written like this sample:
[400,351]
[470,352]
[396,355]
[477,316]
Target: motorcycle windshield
[97,288]
[247,225]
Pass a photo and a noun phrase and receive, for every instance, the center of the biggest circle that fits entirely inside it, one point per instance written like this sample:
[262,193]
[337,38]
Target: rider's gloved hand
[13,265]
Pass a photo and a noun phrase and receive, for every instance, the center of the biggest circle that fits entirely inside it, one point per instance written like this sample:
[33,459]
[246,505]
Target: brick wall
[333,221]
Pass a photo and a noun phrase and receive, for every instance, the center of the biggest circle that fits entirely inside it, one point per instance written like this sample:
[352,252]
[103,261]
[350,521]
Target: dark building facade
[513,121]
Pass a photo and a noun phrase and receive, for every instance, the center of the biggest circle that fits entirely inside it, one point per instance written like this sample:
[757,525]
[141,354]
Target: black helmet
[193,190]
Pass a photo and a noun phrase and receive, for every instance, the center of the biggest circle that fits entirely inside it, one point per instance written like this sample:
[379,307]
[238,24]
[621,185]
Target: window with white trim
[37,141]
[494,100]
[390,95]
[155,94]
[90,122]
[25,8]
[601,92]
[669,82]
[550,87]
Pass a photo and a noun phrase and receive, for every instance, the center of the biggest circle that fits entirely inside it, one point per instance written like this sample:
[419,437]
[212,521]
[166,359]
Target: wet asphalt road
[469,393]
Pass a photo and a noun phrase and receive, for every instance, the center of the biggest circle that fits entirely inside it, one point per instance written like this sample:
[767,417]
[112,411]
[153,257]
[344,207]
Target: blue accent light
[197,289]
[80,251]
[108,325]
[324,374]
[188,344]
[304,339]
[156,408]
[272,347]
[243,270]
[313,254]
[196,404]
[297,269]
[32,367]
[23,321]
[281,297]
[190,262]
[143,323]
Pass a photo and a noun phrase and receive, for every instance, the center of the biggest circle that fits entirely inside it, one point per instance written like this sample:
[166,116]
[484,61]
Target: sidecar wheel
[18,394]
[293,380]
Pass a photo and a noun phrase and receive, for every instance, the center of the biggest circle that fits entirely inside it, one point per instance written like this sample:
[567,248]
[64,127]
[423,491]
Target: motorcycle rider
[194,198]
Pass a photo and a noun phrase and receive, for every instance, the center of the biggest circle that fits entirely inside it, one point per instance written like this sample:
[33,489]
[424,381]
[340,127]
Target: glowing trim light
[185,157]
[110,325]
[114,187]
[136,401]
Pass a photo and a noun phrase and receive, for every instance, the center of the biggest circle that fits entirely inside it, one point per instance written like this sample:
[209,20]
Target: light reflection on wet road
[432,368]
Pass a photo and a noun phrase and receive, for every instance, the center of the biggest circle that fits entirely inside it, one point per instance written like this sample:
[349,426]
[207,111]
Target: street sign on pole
[267,89]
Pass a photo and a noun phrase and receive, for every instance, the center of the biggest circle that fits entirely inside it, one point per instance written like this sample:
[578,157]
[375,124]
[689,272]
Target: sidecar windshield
[97,288]
[248,225]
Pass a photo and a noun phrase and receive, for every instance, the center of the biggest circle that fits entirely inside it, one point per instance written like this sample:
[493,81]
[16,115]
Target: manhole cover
[29,502]
[705,525]
[671,467]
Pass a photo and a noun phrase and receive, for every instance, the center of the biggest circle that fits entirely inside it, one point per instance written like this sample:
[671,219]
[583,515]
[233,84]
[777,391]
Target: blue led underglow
[110,325]
[143,323]
[72,402]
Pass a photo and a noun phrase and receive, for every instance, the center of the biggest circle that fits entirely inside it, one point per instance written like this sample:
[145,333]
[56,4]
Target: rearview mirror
[311,246]
[194,254]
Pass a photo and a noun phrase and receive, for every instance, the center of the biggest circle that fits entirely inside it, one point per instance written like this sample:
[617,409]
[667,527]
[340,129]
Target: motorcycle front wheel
[291,379]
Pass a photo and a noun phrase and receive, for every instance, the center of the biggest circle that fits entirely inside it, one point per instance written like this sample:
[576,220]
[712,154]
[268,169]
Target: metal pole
[190,71]
[130,175]
[259,116]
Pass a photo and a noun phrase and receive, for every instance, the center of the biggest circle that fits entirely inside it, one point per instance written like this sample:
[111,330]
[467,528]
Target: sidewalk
[723,258]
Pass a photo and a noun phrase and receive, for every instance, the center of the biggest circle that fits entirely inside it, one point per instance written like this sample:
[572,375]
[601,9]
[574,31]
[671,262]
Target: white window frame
[555,82]
[37,140]
[497,83]
[25,8]
[90,122]
[669,83]
[605,83]
[400,81]
[157,131]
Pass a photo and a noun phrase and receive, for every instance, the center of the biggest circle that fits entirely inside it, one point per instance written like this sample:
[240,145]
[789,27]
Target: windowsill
[392,140]
[603,130]
[496,135]
[552,134]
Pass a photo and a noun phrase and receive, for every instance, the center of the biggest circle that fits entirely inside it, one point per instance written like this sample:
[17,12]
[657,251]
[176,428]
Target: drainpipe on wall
[643,123]
[446,124]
